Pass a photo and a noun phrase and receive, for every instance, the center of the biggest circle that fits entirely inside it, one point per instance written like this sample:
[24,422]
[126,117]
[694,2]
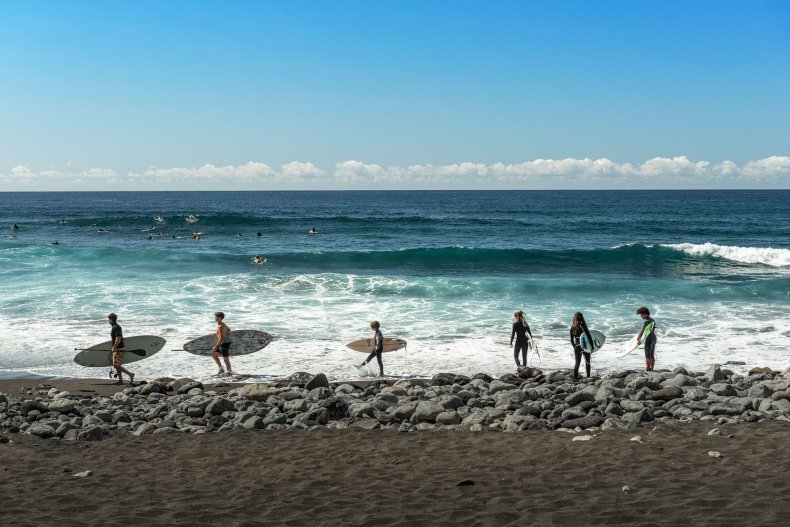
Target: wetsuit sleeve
[529,332]
[572,342]
[512,333]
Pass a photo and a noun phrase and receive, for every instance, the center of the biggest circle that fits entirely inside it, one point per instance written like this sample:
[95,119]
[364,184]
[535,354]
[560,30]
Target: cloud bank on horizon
[657,173]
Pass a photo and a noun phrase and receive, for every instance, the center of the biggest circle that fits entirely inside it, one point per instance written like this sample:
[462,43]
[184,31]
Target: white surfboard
[242,342]
[598,341]
[632,344]
[367,345]
[137,348]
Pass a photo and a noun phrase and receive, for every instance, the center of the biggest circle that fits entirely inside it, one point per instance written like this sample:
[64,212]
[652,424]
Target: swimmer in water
[312,231]
[259,234]
[15,227]
[258,260]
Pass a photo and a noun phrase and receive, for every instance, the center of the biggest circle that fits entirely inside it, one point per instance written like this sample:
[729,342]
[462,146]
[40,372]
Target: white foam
[748,255]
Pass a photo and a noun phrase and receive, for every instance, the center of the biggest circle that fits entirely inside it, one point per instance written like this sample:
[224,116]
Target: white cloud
[659,172]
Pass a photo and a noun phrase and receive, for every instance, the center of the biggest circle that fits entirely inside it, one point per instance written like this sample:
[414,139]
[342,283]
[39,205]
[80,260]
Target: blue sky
[386,94]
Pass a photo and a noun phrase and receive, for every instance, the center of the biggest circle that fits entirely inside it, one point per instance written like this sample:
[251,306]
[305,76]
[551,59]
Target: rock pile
[447,401]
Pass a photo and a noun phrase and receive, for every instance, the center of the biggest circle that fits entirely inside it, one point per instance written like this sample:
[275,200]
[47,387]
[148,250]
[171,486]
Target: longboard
[242,342]
[367,345]
[137,348]
[598,341]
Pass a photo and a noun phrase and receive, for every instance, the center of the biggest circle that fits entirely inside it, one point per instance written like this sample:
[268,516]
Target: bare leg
[215,356]
[227,364]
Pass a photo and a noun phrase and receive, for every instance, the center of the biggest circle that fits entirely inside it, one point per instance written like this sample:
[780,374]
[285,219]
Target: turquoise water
[444,270]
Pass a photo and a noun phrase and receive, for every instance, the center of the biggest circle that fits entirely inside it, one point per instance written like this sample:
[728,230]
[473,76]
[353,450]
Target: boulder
[257,392]
[254,422]
[30,406]
[681,379]
[295,405]
[667,394]
[781,395]
[714,374]
[725,390]
[449,402]
[757,371]
[443,379]
[499,386]
[318,381]
[336,408]
[579,397]
[63,406]
[189,386]
[406,411]
[41,430]
[589,421]
[300,378]
[357,410]
[219,406]
[92,433]
[153,387]
[428,411]
[760,391]
[450,417]
[320,393]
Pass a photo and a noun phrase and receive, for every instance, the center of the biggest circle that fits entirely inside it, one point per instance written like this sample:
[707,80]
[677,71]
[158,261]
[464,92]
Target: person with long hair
[579,328]
[523,335]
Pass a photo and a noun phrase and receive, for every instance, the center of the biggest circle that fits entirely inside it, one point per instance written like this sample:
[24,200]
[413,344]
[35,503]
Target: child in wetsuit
[520,332]
[579,327]
[649,326]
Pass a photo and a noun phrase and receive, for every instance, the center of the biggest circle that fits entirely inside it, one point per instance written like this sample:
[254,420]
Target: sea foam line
[749,255]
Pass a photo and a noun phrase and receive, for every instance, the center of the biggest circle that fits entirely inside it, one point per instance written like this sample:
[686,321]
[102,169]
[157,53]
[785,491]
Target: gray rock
[589,421]
[614,409]
[166,430]
[509,397]
[450,402]
[319,381]
[498,386]
[257,392]
[681,379]
[219,406]
[579,397]
[33,406]
[295,405]
[189,386]
[365,424]
[574,412]
[725,409]
[725,390]
[443,379]
[153,387]
[667,394]
[450,417]
[406,411]
[121,416]
[41,430]
[319,393]
[694,393]
[781,395]
[428,410]
[254,422]
[62,406]
[279,419]
[105,415]
[300,378]
[336,408]
[714,374]
[92,433]
[344,388]
[360,409]
[631,406]
[195,411]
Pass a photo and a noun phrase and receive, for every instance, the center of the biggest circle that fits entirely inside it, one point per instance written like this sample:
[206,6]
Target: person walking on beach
[378,347]
[649,327]
[578,328]
[523,335]
[118,349]
[223,344]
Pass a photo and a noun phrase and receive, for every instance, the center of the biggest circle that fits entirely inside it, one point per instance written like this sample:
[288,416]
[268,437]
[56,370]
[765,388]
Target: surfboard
[632,344]
[367,345]
[598,341]
[137,348]
[242,342]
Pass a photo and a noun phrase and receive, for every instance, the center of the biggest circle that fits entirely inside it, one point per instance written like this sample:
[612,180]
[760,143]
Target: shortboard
[598,341]
[242,342]
[632,344]
[137,348]
[367,345]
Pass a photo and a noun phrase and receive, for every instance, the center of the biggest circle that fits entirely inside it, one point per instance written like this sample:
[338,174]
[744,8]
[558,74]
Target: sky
[443,94]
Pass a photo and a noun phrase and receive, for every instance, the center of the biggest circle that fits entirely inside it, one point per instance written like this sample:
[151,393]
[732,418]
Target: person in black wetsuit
[378,347]
[523,335]
[650,341]
[579,327]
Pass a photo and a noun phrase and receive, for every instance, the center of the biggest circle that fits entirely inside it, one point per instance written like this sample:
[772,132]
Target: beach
[705,470]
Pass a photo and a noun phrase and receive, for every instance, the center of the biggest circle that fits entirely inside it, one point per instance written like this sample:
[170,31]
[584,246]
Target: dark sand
[371,478]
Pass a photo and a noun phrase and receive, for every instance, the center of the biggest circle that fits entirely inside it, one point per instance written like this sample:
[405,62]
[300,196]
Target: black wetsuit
[522,334]
[577,348]
[378,341]
[650,341]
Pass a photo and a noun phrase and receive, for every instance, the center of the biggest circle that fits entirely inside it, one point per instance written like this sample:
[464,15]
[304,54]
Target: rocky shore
[552,401]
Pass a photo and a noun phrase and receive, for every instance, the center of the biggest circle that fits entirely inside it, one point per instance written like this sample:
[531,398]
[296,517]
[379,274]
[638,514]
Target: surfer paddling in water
[118,349]
[378,347]
[523,335]
[579,328]
[649,329]
[223,344]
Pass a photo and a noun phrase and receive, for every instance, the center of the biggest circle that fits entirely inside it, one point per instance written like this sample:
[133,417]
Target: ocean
[444,270]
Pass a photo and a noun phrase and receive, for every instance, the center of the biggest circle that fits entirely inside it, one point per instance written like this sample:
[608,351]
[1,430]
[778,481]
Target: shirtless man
[223,344]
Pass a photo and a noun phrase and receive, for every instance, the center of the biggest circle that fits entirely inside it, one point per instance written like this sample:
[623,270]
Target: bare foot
[131,379]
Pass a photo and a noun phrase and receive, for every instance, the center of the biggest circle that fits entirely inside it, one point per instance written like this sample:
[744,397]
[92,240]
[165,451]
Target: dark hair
[113,317]
[577,318]
[643,311]
[219,314]
[375,324]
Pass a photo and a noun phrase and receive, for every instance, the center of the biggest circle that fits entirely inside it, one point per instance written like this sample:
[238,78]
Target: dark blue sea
[443,270]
